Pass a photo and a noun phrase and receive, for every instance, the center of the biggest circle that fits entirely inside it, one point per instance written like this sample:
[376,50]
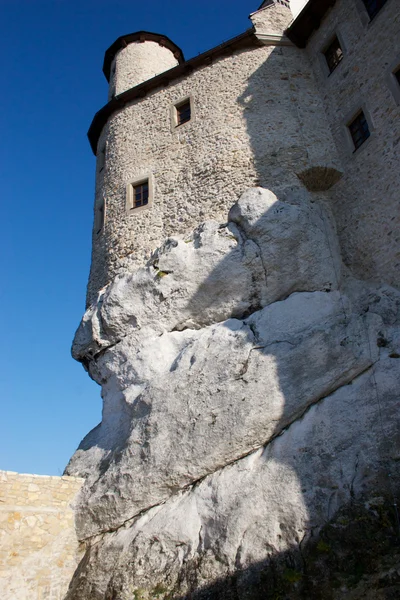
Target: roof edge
[139,36]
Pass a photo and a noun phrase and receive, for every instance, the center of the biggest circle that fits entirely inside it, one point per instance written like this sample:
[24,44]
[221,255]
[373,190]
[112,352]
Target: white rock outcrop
[243,375]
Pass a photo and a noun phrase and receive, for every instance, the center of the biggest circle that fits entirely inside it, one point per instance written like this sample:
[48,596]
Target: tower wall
[136,63]
[257,119]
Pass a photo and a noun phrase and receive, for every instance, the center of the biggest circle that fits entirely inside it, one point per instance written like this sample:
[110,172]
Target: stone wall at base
[39,550]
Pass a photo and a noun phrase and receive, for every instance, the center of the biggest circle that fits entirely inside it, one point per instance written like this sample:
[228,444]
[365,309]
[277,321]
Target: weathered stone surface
[39,550]
[180,405]
[260,506]
[298,247]
[180,402]
[250,391]
[275,248]
[203,279]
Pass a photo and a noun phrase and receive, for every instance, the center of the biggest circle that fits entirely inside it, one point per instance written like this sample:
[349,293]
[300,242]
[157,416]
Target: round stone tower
[179,141]
[137,57]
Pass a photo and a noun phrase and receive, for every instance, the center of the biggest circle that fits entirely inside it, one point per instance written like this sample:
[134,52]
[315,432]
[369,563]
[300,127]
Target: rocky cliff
[250,390]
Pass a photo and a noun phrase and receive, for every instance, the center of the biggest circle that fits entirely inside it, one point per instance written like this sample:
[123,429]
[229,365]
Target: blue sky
[52,54]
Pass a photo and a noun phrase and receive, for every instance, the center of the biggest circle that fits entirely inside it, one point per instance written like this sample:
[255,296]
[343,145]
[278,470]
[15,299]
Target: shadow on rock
[226,441]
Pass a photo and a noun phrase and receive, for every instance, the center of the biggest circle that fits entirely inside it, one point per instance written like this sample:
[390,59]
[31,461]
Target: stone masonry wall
[38,546]
[366,200]
[257,119]
[272,19]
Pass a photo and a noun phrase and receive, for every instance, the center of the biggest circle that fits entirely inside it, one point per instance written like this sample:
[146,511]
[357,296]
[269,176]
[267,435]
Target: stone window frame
[129,188]
[336,33]
[365,18]
[351,115]
[392,80]
[175,126]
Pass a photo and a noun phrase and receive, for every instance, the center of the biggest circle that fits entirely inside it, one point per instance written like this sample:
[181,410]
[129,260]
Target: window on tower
[183,112]
[373,7]
[359,130]
[139,195]
[99,215]
[333,54]
[101,158]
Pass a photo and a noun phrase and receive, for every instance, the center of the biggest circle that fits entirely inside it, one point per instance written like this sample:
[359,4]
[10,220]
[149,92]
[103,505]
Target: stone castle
[243,323]
[282,102]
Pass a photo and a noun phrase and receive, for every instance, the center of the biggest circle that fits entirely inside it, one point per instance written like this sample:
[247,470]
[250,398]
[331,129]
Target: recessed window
[333,54]
[397,75]
[99,216]
[101,158]
[373,6]
[183,113]
[359,130]
[139,195]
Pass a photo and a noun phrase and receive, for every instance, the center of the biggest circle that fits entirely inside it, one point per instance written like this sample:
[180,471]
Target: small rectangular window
[183,113]
[373,6]
[359,130]
[397,75]
[333,54]
[140,194]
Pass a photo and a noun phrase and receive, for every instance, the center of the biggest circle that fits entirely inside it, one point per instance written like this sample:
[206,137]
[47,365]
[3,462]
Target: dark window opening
[373,6]
[183,113]
[333,54]
[99,218]
[102,158]
[359,130]
[141,194]
[397,74]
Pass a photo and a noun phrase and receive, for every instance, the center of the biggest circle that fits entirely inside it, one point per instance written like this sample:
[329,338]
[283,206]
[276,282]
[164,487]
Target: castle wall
[138,62]
[257,119]
[366,200]
[39,550]
[272,19]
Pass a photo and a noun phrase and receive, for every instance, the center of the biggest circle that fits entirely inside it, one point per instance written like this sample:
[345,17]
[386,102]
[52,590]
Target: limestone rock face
[244,377]
[268,249]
